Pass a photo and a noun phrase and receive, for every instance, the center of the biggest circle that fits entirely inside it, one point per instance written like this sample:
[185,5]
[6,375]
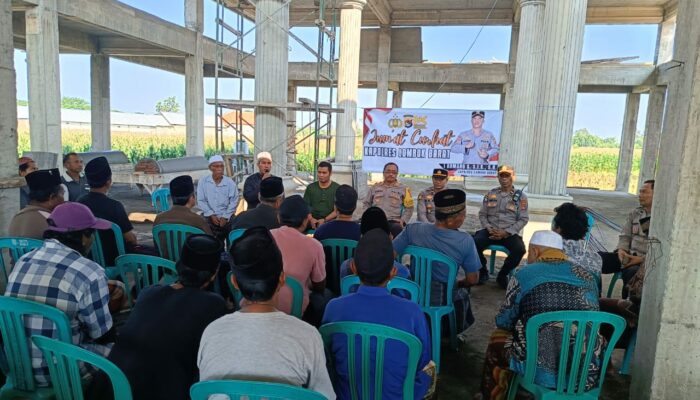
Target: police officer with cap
[503,215]
[477,144]
[393,197]
[45,193]
[426,206]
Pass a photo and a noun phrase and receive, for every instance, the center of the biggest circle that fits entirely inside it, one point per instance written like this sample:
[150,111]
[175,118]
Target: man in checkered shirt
[58,274]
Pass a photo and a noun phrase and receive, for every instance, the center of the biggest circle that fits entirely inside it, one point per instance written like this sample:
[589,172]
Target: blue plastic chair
[492,259]
[17,247]
[294,285]
[396,283]
[337,251]
[591,222]
[145,271]
[422,260]
[572,373]
[379,334]
[233,235]
[16,345]
[63,358]
[169,239]
[249,390]
[629,352]
[160,199]
[613,281]
[97,253]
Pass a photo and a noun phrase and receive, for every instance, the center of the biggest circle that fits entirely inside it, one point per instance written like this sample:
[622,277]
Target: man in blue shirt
[444,236]
[217,197]
[373,303]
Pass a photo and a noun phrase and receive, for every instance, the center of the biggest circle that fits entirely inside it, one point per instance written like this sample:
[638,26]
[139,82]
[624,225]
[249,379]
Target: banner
[465,142]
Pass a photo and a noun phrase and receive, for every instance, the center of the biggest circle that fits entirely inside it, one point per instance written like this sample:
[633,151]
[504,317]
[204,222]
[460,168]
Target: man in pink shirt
[303,259]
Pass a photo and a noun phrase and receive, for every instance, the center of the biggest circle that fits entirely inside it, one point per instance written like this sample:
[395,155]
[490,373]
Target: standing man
[503,214]
[320,195]
[393,197]
[73,176]
[251,187]
[426,206]
[217,197]
[477,144]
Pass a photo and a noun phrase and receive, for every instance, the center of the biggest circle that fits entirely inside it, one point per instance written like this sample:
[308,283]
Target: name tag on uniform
[510,207]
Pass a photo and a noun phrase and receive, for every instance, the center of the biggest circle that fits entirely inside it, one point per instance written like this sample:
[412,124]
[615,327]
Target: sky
[136,88]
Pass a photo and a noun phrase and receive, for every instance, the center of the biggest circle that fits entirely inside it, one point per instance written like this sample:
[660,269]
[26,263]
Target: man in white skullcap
[251,187]
[217,197]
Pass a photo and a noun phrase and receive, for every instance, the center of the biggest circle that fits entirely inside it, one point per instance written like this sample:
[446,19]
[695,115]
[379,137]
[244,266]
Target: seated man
[393,197]
[444,236]
[260,342]
[26,166]
[374,262]
[571,222]
[59,275]
[251,187]
[45,193]
[549,282]
[319,196]
[73,176]
[343,227]
[265,214]
[182,193]
[217,197]
[303,258]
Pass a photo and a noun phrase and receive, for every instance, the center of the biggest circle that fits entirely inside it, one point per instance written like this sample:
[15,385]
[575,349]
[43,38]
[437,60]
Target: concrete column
[9,181]
[507,96]
[667,357]
[44,77]
[271,54]
[348,75]
[397,99]
[629,131]
[664,44]
[559,65]
[652,133]
[194,81]
[99,103]
[292,130]
[383,61]
[518,132]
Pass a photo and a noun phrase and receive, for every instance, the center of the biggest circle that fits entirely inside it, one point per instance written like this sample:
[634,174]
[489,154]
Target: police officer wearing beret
[503,214]
[426,206]
[477,144]
[393,197]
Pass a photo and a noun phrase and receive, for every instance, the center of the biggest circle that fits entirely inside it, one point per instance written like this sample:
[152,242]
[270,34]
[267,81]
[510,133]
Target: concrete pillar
[44,77]
[9,181]
[397,99]
[383,61]
[664,40]
[629,131]
[99,103]
[507,96]
[271,54]
[194,81]
[652,133]
[348,75]
[518,132]
[667,357]
[292,130]
[559,66]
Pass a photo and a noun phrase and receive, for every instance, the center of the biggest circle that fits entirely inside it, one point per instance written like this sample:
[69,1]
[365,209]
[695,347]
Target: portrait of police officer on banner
[476,144]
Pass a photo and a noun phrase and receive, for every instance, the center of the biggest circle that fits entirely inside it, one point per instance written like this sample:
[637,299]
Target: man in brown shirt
[182,193]
[45,193]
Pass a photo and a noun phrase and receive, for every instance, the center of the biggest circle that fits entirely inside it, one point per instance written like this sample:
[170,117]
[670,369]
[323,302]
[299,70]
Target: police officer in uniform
[426,207]
[477,144]
[503,214]
[393,197]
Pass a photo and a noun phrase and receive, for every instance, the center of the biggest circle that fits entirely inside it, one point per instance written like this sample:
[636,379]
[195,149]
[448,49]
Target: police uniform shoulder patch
[523,204]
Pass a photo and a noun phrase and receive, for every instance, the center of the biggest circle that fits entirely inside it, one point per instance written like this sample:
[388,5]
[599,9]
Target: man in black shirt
[265,214]
[251,187]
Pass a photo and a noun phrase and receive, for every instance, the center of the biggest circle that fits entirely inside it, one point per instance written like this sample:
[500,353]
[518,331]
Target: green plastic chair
[97,253]
[379,334]
[629,352]
[294,285]
[422,260]
[397,283]
[170,238]
[16,345]
[337,251]
[63,359]
[16,247]
[160,200]
[613,281]
[591,222]
[249,390]
[492,259]
[572,373]
[235,234]
[146,271]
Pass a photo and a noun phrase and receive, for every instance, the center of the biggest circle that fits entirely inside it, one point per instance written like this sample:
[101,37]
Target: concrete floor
[461,371]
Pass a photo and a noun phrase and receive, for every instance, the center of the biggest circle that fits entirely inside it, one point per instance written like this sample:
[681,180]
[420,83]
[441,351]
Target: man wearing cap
[73,176]
[426,207]
[303,259]
[26,166]
[182,193]
[217,197]
[393,197]
[266,213]
[444,236]
[503,215]
[251,187]
[59,275]
[549,282]
[45,193]
[477,144]
[343,227]
[372,303]
[320,195]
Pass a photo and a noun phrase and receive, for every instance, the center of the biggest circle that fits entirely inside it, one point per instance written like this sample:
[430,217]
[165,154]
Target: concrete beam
[69,40]
[625,15]
[123,46]
[382,10]
[668,72]
[615,74]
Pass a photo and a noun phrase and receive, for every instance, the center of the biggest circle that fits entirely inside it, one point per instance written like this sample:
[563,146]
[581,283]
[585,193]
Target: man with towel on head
[217,197]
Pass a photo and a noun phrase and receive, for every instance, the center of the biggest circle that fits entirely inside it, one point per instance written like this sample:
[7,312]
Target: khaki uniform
[426,206]
[182,215]
[632,237]
[498,210]
[395,200]
[30,222]
[470,145]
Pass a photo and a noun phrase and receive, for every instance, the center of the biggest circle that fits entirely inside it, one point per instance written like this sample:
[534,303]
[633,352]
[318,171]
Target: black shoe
[502,281]
[483,276]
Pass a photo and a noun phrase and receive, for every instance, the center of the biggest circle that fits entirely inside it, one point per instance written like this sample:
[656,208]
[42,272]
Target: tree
[168,105]
[74,103]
